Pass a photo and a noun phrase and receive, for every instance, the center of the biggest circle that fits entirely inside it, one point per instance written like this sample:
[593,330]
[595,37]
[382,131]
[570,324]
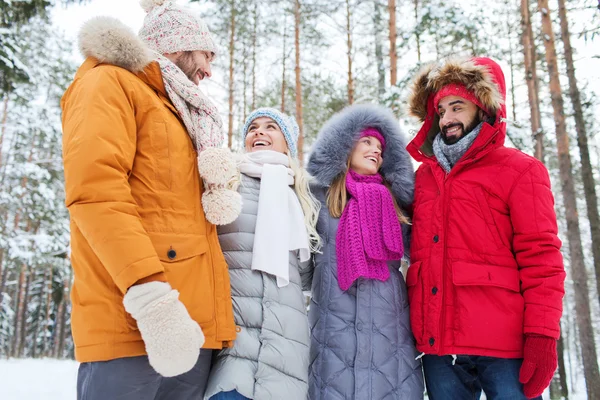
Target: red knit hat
[374,133]
[456,89]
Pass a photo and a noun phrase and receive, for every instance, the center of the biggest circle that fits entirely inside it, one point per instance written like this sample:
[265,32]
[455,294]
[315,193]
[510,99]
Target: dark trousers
[133,378]
[497,377]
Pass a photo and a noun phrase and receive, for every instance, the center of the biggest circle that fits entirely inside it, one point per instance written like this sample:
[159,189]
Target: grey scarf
[449,154]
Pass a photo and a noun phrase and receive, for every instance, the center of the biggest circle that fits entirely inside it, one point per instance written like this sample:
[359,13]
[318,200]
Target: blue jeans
[233,395]
[498,377]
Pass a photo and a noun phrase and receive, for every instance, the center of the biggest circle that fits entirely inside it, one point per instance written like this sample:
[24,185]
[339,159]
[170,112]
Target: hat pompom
[221,206]
[148,5]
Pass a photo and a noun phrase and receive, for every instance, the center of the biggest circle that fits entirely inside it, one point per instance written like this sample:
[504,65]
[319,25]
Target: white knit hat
[169,28]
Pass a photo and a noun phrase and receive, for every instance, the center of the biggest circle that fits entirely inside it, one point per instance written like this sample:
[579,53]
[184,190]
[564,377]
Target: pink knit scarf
[369,232]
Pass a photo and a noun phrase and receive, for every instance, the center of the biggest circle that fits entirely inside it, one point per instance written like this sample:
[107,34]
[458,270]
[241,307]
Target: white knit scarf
[199,114]
[280,224]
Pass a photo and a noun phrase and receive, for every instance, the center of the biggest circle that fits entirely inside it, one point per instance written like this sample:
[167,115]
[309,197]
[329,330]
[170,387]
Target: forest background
[309,58]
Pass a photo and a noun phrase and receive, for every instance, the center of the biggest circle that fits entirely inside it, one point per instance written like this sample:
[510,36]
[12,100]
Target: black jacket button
[434,290]
[431,341]
[171,254]
[436,239]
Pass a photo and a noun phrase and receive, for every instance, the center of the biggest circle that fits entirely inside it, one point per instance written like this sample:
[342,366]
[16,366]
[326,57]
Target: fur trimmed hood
[330,153]
[482,76]
[111,42]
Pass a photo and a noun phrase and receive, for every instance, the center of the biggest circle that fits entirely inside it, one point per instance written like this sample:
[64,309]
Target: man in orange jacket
[151,284]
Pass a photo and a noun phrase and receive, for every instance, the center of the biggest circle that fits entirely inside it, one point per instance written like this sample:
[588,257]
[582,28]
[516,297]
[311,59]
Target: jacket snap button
[238,329]
[436,239]
[361,287]
[434,290]
[267,304]
[359,326]
[171,254]
[431,341]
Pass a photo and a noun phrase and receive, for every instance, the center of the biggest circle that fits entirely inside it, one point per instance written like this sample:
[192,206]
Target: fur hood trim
[112,42]
[335,141]
[477,78]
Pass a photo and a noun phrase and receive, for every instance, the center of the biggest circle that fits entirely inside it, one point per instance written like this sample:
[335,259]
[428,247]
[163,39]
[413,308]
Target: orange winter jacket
[134,197]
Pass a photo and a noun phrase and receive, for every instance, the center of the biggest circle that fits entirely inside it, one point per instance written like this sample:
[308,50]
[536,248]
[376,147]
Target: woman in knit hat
[266,249]
[361,343]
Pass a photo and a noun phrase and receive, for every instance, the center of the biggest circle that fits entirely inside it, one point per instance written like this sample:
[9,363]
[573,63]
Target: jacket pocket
[414,284]
[159,138]
[488,217]
[489,306]
[189,268]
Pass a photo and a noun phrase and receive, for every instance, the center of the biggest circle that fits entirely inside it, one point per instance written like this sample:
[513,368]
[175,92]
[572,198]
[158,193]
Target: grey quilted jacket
[269,358]
[362,346]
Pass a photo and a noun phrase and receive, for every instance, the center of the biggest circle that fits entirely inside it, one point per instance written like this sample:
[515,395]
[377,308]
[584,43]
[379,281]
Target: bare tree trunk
[245,88]
[231,63]
[59,327]
[254,31]
[532,80]
[378,50]
[284,62]
[393,53]
[46,325]
[417,35]
[63,321]
[19,313]
[3,277]
[299,85]
[3,123]
[512,67]
[562,371]
[579,274]
[349,53]
[587,173]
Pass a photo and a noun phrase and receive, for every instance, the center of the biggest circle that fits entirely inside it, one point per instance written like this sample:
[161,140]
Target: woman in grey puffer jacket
[362,346]
[265,249]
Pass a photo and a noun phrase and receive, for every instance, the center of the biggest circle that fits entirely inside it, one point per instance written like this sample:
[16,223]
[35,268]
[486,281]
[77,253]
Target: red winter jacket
[486,267]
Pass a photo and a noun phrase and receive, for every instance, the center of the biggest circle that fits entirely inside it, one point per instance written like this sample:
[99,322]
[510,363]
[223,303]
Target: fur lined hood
[482,76]
[111,42]
[330,153]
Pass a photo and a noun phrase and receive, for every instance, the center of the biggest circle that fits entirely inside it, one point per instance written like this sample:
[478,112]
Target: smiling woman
[265,134]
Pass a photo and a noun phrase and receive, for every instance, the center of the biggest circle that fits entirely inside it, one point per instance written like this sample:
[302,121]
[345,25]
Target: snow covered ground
[48,379]
[38,379]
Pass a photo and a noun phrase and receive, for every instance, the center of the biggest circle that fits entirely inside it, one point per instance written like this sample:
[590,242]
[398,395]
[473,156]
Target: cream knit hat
[169,28]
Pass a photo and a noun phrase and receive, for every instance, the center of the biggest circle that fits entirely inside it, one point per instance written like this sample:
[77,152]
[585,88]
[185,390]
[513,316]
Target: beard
[186,63]
[465,130]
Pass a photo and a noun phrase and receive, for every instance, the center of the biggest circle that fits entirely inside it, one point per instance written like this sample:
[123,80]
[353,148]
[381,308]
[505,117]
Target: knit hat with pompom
[169,28]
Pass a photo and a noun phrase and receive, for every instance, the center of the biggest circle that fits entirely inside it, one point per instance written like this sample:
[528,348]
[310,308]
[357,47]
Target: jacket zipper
[445,228]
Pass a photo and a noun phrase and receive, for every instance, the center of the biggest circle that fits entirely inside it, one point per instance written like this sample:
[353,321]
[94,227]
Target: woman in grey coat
[361,344]
[265,249]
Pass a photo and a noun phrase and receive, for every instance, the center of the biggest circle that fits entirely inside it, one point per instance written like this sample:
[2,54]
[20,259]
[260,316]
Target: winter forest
[311,58]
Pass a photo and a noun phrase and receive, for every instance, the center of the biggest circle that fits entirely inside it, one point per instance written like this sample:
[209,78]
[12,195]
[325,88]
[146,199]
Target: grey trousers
[134,379]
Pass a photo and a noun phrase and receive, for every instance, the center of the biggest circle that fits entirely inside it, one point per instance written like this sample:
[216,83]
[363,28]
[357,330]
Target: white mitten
[172,338]
[221,202]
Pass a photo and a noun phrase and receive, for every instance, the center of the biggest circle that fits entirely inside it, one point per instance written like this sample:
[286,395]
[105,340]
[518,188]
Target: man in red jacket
[487,278]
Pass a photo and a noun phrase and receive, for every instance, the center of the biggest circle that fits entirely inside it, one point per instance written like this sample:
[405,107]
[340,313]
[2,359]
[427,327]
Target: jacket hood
[335,141]
[111,42]
[482,76]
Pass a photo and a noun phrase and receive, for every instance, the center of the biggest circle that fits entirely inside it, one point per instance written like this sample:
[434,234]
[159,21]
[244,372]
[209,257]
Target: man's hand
[173,340]
[540,360]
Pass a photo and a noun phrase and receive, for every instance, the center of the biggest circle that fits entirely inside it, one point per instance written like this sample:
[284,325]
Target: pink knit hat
[457,89]
[374,133]
[169,28]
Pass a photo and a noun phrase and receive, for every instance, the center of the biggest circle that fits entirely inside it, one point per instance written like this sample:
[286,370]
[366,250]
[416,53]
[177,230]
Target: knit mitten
[540,360]
[221,202]
[172,338]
